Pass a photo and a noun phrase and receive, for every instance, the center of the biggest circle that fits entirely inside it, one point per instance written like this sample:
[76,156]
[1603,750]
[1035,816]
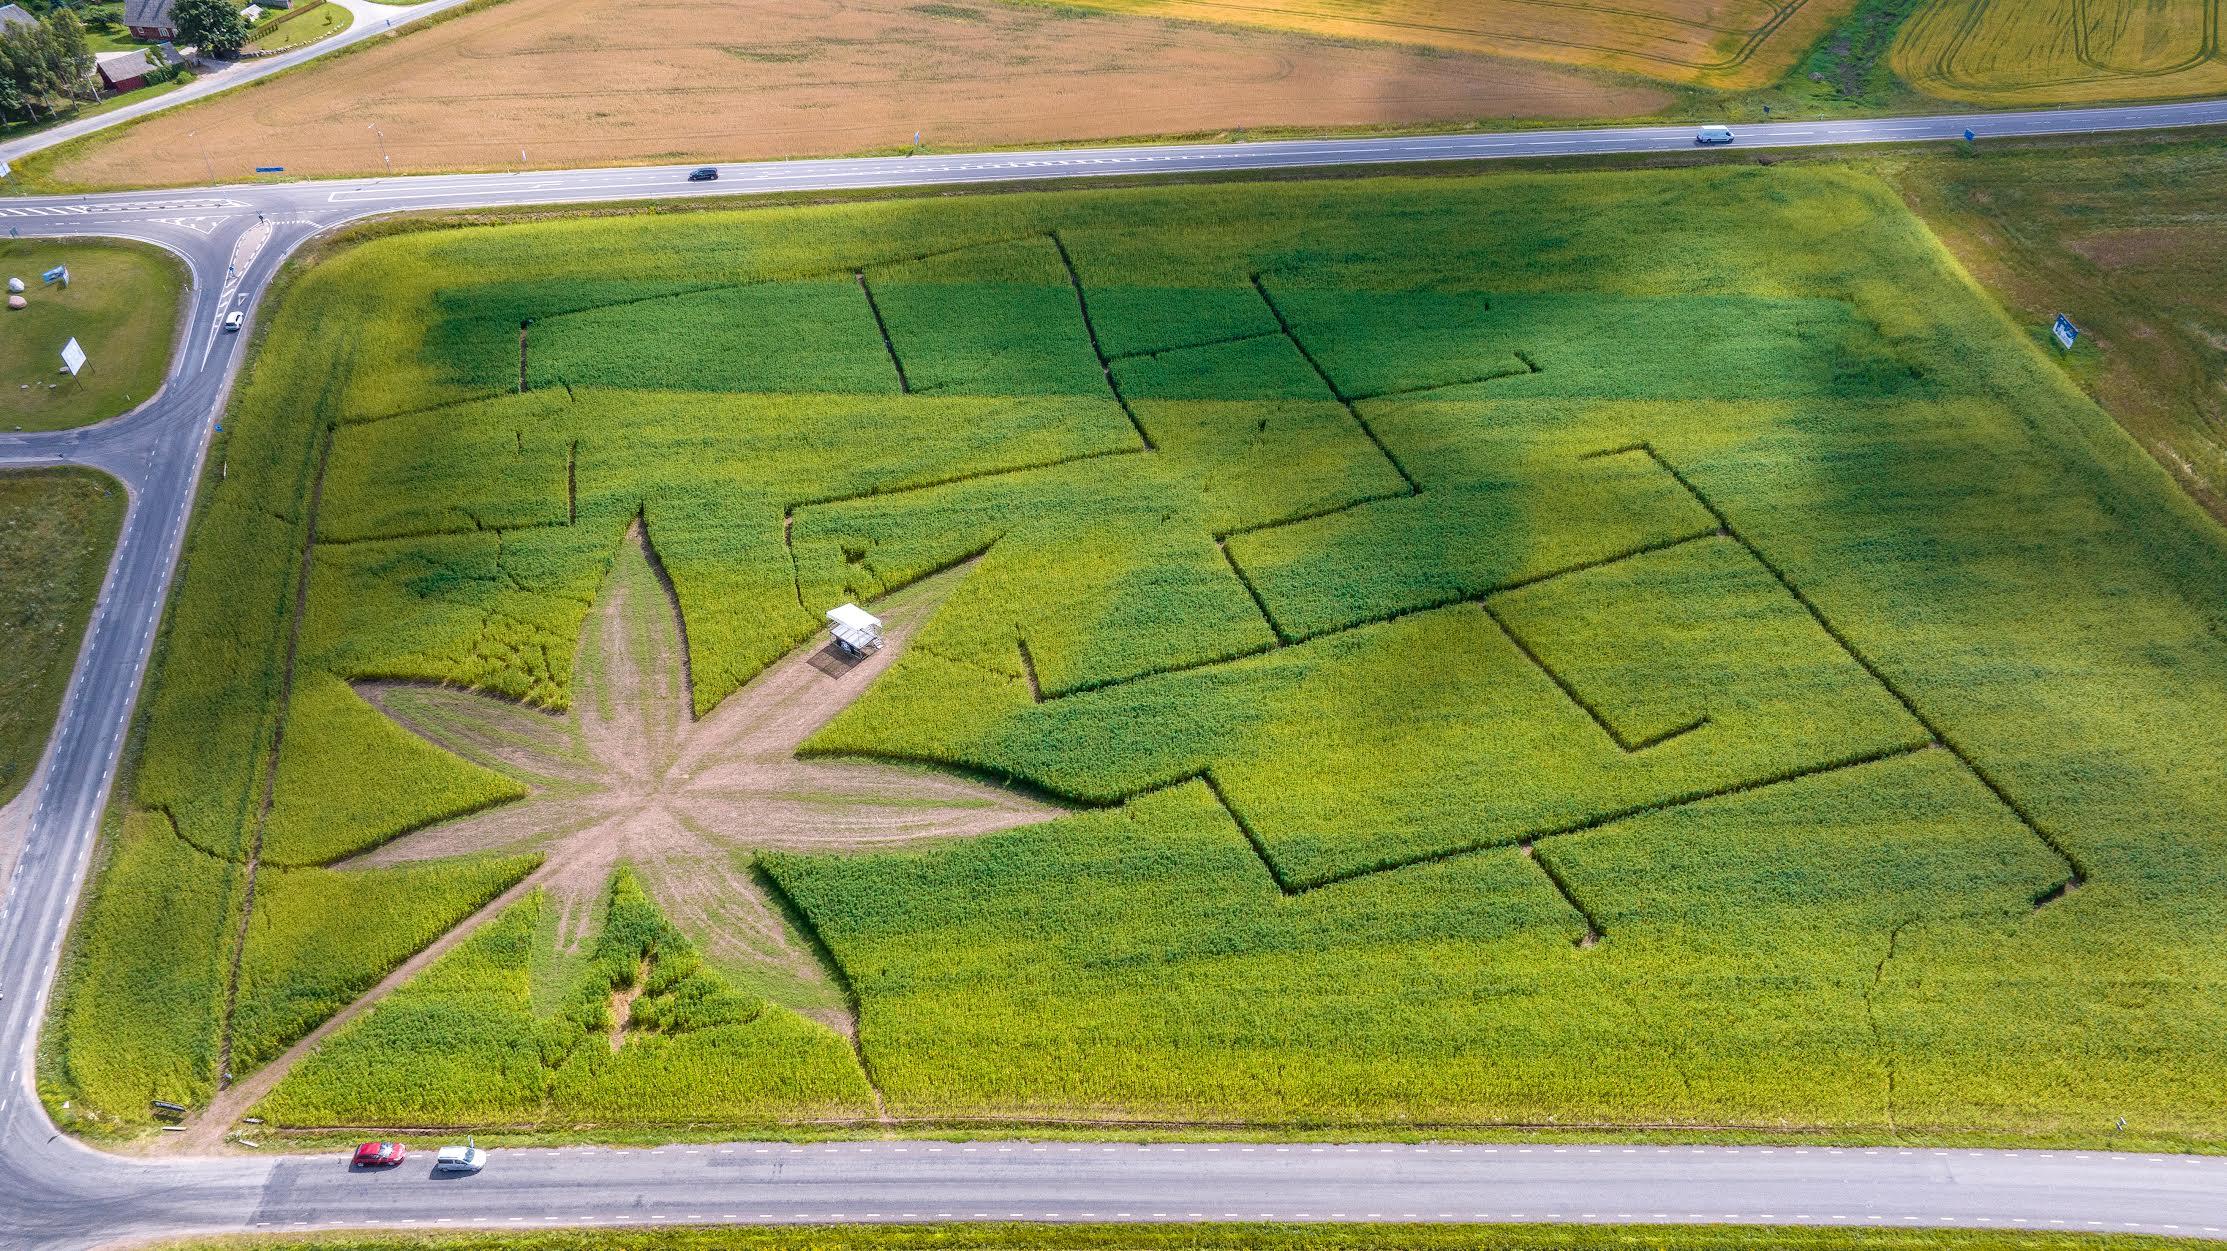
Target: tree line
[44,67]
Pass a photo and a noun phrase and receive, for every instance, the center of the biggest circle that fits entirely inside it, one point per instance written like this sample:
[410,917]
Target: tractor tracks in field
[1752,38]
[1964,19]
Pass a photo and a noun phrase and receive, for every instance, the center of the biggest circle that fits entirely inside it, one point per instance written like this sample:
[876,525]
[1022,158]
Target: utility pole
[383,147]
[208,164]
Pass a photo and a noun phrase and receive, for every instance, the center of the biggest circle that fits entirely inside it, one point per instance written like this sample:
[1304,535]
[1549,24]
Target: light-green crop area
[464,1044]
[57,528]
[1608,649]
[121,304]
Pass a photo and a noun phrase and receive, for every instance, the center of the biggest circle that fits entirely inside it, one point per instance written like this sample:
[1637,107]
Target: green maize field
[463,1044]
[1610,649]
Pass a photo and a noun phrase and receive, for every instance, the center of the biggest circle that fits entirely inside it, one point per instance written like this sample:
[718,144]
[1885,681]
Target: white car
[1714,134]
[459,1160]
[233,321]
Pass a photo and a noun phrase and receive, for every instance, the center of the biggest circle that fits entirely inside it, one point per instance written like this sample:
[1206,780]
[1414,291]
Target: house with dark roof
[13,16]
[122,71]
[149,19]
[127,71]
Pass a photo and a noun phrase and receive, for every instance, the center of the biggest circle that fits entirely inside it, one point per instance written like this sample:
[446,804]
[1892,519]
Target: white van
[1714,134]
[460,1160]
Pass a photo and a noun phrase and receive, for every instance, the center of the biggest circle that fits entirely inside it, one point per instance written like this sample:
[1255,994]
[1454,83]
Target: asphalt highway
[57,1193]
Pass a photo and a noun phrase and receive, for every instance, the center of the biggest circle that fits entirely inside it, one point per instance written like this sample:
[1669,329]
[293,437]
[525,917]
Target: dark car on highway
[706,174]
[379,1155]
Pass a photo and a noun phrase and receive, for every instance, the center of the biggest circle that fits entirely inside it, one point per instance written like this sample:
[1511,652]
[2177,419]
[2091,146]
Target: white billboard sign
[73,357]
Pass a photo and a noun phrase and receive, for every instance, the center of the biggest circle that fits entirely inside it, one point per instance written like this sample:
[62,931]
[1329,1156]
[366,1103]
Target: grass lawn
[2125,238]
[1596,650]
[57,527]
[291,28]
[122,306]
[1219,1237]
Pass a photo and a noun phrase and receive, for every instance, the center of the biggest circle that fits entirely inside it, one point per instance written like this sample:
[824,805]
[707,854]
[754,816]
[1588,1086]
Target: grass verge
[1220,1237]
[123,305]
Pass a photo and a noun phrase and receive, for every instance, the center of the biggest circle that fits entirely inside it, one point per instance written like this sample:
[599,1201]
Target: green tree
[214,25]
[73,59]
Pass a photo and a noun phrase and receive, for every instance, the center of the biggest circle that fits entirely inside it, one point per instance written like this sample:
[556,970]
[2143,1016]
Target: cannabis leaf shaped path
[628,775]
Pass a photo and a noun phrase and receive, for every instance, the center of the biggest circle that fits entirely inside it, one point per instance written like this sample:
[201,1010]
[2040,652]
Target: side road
[57,1193]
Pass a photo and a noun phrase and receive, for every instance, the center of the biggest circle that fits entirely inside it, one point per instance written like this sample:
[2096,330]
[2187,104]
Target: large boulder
[17,301]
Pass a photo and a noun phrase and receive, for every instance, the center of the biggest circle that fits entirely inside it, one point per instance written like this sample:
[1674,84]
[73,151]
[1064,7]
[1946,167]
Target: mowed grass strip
[57,528]
[122,306]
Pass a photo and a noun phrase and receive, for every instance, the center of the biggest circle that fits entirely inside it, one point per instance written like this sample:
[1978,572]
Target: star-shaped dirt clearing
[629,775]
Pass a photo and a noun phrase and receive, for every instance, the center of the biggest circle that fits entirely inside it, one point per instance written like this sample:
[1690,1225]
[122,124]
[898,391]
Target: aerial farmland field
[1717,43]
[1599,650]
[2042,52]
[554,83]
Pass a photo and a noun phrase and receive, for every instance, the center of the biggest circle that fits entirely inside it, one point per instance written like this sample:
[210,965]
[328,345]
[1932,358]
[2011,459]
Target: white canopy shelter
[856,630]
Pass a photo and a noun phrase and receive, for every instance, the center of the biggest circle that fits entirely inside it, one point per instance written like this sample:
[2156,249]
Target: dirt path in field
[629,776]
[551,83]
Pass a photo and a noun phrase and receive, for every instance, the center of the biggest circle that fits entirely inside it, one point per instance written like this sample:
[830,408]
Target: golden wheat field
[1715,43]
[2063,51]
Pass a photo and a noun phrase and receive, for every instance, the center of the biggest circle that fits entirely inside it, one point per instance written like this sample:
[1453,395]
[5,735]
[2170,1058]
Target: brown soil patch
[596,82]
[622,1006]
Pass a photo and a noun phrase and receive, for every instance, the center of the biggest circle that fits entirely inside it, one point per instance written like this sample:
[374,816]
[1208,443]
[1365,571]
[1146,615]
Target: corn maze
[1612,650]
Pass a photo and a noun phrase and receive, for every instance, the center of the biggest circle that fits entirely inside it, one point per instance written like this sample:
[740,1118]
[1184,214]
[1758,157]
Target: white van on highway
[1714,134]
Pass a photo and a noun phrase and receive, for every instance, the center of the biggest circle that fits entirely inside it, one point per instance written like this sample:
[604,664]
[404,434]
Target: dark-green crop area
[1583,650]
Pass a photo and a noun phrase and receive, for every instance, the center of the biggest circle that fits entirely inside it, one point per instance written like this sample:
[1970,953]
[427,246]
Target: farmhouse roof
[147,13]
[12,16]
[118,66]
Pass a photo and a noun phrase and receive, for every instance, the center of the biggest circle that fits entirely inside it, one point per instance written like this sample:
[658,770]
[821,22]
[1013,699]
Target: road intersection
[55,1192]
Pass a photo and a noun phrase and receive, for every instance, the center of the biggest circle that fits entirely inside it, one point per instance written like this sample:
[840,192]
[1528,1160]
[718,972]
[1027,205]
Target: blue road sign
[270,169]
[2067,333]
[56,274]
[1968,135]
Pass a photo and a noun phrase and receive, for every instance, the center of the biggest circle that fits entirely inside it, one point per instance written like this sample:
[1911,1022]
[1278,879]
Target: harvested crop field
[2032,52]
[1714,43]
[1609,649]
[599,82]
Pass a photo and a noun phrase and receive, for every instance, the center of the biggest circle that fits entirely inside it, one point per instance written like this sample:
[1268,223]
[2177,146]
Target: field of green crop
[1607,649]
[464,1045]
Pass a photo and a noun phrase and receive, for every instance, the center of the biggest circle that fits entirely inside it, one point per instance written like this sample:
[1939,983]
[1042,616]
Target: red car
[379,1155]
